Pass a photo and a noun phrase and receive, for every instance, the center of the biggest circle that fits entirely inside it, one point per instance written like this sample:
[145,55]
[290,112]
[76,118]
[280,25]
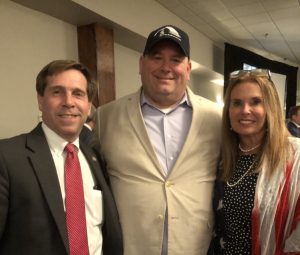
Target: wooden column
[96,51]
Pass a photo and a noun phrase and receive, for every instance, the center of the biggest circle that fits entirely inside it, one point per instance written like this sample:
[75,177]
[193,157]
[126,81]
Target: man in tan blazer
[161,146]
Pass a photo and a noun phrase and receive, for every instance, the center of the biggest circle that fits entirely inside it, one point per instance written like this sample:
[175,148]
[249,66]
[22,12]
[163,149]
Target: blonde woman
[256,202]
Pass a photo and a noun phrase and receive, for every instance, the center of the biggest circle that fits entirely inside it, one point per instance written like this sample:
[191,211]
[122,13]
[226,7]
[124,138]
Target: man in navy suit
[32,188]
[293,123]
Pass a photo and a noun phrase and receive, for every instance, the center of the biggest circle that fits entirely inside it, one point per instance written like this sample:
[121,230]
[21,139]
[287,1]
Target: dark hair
[293,110]
[59,66]
[92,115]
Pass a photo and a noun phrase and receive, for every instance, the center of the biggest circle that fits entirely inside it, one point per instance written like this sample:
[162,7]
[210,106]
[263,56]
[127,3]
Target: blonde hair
[275,145]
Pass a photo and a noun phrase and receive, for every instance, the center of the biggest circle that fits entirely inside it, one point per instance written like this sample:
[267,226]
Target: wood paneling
[96,51]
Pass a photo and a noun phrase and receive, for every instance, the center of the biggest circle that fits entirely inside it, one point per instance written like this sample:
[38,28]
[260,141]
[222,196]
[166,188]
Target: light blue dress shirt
[167,130]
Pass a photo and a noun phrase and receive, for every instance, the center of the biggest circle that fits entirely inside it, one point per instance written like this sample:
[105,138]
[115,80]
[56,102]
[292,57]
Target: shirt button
[160,217]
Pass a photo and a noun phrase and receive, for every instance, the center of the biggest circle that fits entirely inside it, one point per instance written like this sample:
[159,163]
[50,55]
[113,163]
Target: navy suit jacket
[293,129]
[32,217]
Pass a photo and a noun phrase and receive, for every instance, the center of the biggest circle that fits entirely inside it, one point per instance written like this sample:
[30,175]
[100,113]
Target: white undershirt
[93,197]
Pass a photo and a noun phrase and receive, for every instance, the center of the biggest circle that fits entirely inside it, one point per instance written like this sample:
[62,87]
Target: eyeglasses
[255,72]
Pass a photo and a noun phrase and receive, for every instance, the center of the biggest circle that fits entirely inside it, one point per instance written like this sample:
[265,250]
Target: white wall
[126,70]
[29,40]
[201,84]
[280,84]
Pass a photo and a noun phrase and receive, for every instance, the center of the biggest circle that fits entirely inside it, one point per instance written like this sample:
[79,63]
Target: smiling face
[247,112]
[165,72]
[64,104]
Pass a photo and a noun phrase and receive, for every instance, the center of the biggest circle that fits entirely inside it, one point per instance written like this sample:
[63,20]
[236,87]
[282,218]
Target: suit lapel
[135,117]
[44,167]
[93,163]
[111,229]
[97,172]
[197,122]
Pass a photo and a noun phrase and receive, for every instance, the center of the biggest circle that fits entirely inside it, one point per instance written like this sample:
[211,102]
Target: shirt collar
[298,126]
[185,99]
[88,126]
[56,142]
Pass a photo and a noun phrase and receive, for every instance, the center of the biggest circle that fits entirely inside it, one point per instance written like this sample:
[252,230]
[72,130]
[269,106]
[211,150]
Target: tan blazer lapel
[197,122]
[136,119]
[194,131]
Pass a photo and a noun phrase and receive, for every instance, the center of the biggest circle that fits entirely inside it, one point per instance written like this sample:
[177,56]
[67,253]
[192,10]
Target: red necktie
[75,206]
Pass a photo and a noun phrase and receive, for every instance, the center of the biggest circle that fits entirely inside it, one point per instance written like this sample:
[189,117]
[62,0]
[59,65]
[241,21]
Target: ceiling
[267,26]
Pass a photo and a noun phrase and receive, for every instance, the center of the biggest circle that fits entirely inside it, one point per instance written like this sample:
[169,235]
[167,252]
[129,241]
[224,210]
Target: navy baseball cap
[168,32]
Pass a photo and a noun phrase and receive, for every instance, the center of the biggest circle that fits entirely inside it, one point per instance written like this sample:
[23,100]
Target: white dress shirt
[92,197]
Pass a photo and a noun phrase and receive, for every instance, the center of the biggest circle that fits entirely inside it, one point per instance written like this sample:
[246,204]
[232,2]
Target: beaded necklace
[251,149]
[242,177]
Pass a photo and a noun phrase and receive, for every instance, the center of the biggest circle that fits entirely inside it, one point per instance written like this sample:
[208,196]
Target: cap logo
[168,31]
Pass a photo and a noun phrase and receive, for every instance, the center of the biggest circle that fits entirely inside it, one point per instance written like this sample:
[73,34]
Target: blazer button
[160,217]
[169,184]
